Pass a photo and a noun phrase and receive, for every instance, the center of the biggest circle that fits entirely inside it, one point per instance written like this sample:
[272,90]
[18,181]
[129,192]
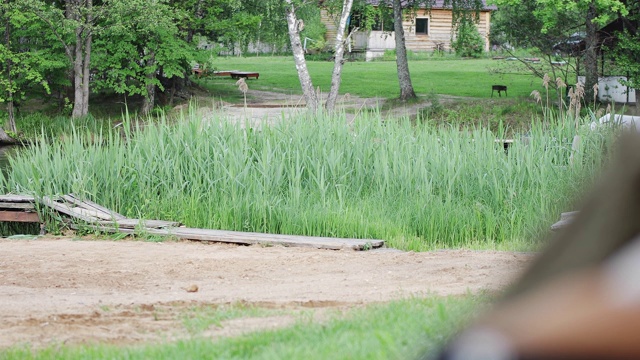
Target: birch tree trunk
[294,27]
[339,55]
[404,78]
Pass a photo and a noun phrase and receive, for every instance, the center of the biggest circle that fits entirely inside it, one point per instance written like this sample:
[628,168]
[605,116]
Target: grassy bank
[471,78]
[418,187]
[397,330]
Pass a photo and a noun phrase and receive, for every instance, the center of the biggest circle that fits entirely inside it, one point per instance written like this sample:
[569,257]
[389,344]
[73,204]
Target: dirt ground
[268,107]
[60,290]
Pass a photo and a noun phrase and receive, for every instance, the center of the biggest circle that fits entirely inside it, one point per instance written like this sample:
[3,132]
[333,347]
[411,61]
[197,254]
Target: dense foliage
[66,50]
[468,41]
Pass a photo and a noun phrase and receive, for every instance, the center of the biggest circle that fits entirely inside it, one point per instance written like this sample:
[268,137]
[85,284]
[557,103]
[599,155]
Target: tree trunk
[149,100]
[10,112]
[590,54]
[404,78]
[294,25]
[78,97]
[81,56]
[85,65]
[5,138]
[339,55]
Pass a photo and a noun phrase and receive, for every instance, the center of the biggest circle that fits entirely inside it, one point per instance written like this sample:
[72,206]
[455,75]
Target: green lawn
[471,78]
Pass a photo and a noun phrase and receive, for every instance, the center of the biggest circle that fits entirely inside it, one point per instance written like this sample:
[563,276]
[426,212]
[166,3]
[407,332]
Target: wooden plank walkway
[248,238]
[87,214]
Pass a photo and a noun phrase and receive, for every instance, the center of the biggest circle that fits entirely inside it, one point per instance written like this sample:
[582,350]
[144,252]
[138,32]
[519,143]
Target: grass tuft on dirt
[401,329]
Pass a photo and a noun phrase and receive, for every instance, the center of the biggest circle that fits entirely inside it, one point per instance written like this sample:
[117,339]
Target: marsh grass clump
[417,186]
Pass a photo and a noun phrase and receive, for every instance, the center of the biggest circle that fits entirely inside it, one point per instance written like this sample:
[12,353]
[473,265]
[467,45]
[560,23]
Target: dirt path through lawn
[56,290]
[269,107]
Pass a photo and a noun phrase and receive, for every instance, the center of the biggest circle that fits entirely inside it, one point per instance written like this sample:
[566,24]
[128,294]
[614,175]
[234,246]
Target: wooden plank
[237,237]
[133,223]
[568,215]
[65,209]
[12,205]
[561,224]
[90,205]
[19,216]
[93,214]
[16,198]
[566,219]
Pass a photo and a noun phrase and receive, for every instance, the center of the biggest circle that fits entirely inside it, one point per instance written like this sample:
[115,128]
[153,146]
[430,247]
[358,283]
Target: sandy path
[76,291]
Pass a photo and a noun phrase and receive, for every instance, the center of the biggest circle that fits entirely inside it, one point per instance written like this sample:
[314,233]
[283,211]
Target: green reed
[416,186]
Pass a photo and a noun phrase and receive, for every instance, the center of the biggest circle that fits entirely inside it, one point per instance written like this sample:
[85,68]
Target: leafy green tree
[232,23]
[626,51]
[22,65]
[592,14]
[136,43]
[71,23]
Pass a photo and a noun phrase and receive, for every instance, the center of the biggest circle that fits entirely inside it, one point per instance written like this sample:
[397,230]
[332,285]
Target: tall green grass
[417,186]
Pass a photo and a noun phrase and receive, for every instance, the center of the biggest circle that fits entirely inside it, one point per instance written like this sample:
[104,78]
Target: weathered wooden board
[565,219]
[133,223]
[17,205]
[19,216]
[568,215]
[17,198]
[66,209]
[100,218]
[92,214]
[236,237]
[90,205]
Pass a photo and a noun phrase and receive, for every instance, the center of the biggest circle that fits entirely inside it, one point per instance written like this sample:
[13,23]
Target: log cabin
[424,29]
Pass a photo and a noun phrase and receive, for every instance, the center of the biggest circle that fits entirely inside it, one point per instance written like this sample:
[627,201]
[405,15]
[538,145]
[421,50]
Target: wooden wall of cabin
[439,30]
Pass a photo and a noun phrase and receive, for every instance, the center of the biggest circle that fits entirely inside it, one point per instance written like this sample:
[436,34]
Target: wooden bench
[244,74]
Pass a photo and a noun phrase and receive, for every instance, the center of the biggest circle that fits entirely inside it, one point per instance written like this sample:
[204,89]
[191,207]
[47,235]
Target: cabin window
[422,26]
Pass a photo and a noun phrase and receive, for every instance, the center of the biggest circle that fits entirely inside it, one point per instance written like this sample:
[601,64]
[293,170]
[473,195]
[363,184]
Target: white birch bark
[339,56]
[308,91]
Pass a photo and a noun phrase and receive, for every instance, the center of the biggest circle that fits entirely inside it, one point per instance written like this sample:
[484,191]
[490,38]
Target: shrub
[468,41]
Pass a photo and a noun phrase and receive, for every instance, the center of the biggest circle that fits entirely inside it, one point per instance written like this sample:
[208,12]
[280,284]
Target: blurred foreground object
[580,298]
